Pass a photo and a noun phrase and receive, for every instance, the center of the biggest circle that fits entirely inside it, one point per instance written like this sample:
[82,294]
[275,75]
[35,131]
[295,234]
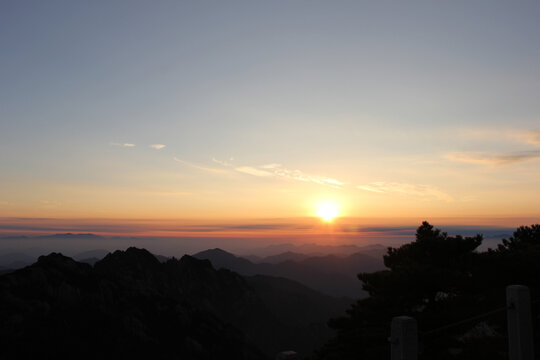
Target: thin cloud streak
[372,188]
[270,166]
[532,137]
[157,146]
[421,191]
[170,193]
[484,158]
[203,168]
[253,171]
[223,163]
[122,144]
[127,227]
[300,176]
[236,227]
[426,192]
[278,171]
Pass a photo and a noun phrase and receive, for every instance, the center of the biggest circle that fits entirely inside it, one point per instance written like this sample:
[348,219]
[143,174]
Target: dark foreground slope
[129,305]
[304,311]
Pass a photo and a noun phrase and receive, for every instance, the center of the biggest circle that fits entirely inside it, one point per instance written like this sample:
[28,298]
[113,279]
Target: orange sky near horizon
[339,230]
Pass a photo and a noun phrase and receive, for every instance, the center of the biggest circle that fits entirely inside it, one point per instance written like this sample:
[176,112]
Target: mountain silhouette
[295,304]
[288,255]
[132,305]
[376,250]
[330,274]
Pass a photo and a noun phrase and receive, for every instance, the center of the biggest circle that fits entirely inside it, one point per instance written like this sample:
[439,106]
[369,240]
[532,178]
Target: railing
[404,329]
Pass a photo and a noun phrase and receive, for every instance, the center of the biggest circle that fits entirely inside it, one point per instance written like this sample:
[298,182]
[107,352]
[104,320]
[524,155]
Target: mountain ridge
[330,274]
[131,299]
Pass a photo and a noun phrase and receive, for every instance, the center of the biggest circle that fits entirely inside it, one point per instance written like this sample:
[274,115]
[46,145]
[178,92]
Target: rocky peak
[132,268]
[63,266]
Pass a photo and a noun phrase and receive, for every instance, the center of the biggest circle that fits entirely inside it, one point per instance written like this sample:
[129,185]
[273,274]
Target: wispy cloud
[157,146]
[373,187]
[253,171]
[332,181]
[528,136]
[421,191]
[474,157]
[221,162]
[170,193]
[532,137]
[200,167]
[270,166]
[278,171]
[122,144]
[301,176]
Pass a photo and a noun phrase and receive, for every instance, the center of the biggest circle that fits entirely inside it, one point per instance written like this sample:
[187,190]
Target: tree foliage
[439,280]
[524,238]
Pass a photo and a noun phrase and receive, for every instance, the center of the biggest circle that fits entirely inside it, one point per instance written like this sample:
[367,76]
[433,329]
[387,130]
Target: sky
[213,112]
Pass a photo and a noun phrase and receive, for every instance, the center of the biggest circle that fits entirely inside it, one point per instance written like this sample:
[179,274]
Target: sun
[327,210]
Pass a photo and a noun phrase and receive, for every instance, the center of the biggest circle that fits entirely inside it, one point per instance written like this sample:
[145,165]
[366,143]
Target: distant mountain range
[131,305]
[264,253]
[333,274]
[330,274]
[55,236]
[72,236]
[17,260]
[286,256]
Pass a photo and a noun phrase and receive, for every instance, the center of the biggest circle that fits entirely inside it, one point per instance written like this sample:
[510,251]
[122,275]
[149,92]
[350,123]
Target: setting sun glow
[327,210]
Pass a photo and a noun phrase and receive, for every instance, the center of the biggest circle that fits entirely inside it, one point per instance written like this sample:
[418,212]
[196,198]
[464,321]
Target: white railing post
[404,338]
[520,334]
